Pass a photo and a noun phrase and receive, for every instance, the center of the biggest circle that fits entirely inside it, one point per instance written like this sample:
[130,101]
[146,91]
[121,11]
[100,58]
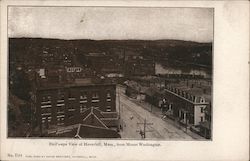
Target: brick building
[64,104]
[187,108]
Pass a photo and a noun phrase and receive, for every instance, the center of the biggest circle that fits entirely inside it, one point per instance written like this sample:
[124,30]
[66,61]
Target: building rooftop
[92,124]
[46,84]
[84,131]
[197,88]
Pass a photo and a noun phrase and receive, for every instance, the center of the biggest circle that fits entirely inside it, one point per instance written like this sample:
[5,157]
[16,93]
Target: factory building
[58,104]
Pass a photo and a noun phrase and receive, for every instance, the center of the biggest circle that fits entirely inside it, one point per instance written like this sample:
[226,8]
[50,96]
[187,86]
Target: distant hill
[186,52]
[100,44]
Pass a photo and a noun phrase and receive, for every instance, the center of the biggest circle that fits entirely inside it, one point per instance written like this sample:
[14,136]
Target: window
[60,119]
[46,114]
[71,109]
[108,94]
[202,110]
[201,119]
[46,98]
[95,95]
[46,120]
[60,116]
[60,99]
[49,119]
[83,101]
[60,104]
[83,95]
[60,109]
[108,109]
[45,105]
[71,95]
[95,100]
[60,94]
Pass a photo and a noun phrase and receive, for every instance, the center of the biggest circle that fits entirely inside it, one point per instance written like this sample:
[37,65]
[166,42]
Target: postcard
[128,80]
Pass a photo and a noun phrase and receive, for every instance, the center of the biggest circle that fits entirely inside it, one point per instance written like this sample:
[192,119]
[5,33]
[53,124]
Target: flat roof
[77,83]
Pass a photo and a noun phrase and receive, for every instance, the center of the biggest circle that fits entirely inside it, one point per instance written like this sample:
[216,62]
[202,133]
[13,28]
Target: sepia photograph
[127,73]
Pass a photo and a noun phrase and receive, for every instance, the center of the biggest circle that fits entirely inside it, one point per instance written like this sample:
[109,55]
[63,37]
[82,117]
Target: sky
[99,23]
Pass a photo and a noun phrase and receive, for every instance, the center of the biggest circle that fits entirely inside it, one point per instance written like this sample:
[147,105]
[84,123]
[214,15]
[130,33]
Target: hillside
[173,51]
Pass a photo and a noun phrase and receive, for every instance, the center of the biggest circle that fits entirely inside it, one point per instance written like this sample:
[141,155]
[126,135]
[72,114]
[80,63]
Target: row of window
[60,110]
[83,95]
[46,117]
[47,104]
[60,119]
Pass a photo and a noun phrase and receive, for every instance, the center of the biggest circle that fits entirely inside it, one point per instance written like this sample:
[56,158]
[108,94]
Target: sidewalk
[157,112]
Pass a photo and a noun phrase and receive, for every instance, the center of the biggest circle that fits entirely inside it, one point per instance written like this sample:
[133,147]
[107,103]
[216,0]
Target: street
[133,117]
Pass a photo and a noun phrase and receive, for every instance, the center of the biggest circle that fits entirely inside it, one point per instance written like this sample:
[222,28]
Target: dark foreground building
[57,105]
[83,131]
[94,124]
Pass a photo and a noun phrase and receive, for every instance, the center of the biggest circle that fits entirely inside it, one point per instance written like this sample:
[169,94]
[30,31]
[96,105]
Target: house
[187,108]
[205,127]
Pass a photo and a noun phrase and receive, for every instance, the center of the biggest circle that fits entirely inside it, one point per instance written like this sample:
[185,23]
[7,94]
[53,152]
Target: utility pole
[119,106]
[124,63]
[143,132]
[119,103]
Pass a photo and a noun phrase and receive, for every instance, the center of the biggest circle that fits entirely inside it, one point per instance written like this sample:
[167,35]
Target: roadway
[133,113]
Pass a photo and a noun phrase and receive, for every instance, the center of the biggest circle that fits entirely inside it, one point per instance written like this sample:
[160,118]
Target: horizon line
[111,39]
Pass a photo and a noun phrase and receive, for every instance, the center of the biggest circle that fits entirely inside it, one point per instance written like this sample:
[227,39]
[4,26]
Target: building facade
[139,66]
[187,108]
[63,105]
